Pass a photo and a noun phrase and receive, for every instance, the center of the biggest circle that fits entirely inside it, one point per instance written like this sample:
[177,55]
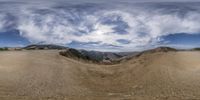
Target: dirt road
[45,75]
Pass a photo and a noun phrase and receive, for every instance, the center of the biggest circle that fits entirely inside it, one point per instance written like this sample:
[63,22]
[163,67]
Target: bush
[4,49]
[198,49]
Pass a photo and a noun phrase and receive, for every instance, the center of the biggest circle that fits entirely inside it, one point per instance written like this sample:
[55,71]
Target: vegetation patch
[197,49]
[4,49]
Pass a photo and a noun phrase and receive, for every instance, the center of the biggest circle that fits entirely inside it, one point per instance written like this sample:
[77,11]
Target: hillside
[96,56]
[108,57]
[46,75]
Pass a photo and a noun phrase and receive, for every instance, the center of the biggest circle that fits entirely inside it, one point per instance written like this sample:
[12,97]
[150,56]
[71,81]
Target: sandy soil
[45,75]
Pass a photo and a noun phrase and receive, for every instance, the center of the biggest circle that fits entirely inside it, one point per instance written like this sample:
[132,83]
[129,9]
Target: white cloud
[57,29]
[3,22]
[63,26]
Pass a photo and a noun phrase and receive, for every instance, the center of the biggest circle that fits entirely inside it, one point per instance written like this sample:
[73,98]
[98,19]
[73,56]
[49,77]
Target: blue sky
[128,25]
[181,40]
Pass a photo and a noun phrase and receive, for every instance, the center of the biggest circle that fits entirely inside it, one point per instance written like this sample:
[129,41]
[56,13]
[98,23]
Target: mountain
[109,57]
[44,47]
[158,49]
[89,56]
[96,56]
[161,49]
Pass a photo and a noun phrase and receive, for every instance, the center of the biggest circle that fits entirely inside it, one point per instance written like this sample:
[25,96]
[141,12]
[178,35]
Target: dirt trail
[45,75]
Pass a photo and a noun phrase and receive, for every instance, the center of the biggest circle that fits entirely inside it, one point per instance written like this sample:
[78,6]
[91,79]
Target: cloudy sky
[103,25]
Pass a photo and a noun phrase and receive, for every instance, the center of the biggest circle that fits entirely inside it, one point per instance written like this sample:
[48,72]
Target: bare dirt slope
[45,75]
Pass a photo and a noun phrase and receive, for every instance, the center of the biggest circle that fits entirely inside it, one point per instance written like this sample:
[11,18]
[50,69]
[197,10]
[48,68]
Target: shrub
[4,49]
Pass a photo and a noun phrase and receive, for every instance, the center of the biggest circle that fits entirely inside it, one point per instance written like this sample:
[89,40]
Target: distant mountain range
[109,57]
[44,47]
[96,56]
[93,56]
[90,56]
[160,49]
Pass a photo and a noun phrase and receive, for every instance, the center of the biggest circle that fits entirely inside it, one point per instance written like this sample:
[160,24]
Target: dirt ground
[45,75]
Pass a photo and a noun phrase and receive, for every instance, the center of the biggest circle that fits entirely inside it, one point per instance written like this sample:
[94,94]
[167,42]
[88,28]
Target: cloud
[4,22]
[124,26]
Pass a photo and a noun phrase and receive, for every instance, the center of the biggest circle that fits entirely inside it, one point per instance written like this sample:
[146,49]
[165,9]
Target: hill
[161,49]
[108,57]
[44,47]
[96,56]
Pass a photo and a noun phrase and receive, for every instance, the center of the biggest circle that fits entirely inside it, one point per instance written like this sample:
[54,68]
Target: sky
[102,25]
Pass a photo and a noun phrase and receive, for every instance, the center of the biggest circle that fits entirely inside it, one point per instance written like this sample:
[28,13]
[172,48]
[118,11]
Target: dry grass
[45,75]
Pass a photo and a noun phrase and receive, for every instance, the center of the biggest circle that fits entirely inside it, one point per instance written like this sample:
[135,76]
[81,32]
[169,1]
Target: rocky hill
[96,56]
[109,57]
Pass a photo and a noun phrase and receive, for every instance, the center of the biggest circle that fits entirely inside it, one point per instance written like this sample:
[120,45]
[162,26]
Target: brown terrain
[46,75]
